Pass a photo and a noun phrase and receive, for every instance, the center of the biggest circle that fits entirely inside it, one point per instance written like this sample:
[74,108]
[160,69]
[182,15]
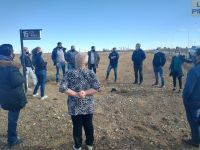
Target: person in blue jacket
[159,61]
[138,57]
[113,57]
[191,100]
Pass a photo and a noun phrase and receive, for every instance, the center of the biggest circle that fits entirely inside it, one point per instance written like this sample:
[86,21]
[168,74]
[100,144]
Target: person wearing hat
[12,95]
[58,57]
[29,67]
[191,100]
[93,59]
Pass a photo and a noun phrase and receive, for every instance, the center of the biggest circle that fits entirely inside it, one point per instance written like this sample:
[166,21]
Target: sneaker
[162,86]
[35,95]
[44,97]
[135,82]
[17,142]
[89,147]
[174,89]
[180,90]
[140,83]
[155,84]
[74,148]
[113,90]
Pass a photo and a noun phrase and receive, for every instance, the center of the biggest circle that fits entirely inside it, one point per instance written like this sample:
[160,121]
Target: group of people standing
[65,60]
[80,83]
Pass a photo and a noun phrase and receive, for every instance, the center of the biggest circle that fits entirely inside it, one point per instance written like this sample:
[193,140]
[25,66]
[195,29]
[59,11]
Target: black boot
[191,143]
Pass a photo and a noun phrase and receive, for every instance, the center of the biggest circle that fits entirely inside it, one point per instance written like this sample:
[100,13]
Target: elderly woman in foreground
[80,85]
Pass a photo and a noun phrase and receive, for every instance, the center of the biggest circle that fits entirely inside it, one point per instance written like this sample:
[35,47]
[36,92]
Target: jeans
[13,117]
[109,69]
[92,67]
[159,70]
[192,115]
[29,71]
[176,75]
[84,121]
[60,66]
[70,66]
[41,77]
[138,69]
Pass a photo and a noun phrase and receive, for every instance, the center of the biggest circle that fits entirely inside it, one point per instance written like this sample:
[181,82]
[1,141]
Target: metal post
[23,60]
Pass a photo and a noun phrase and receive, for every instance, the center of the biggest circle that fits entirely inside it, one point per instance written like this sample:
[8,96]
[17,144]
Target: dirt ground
[136,117]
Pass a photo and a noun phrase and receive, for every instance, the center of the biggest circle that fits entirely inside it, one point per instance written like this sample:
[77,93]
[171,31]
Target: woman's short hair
[36,50]
[81,59]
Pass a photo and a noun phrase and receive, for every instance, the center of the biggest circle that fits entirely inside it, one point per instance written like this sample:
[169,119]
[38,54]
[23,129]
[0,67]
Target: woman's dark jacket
[39,62]
[12,95]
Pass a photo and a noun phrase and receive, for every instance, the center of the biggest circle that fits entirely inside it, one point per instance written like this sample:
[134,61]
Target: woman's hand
[82,94]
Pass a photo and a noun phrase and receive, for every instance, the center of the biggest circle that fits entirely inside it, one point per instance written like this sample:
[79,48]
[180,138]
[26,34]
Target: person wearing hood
[58,57]
[159,61]
[12,94]
[138,57]
[191,100]
[70,58]
[40,71]
[93,59]
[29,68]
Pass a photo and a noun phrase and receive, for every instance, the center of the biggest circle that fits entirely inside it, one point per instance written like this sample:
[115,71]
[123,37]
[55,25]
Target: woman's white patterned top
[77,80]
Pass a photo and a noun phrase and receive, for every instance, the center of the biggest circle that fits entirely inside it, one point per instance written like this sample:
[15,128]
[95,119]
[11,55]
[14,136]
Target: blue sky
[103,23]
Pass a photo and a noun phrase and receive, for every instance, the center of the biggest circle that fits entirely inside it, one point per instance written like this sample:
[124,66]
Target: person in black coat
[191,100]
[12,95]
[138,57]
[159,61]
[70,58]
[40,71]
